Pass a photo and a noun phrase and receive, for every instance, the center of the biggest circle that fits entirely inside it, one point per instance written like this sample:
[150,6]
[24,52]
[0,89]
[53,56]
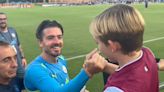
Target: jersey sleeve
[37,78]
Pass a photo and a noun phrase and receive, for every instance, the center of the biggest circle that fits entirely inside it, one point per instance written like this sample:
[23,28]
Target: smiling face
[52,42]
[3,21]
[8,63]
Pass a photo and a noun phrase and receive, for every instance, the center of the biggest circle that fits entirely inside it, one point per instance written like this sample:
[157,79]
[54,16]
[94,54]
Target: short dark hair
[2,13]
[47,24]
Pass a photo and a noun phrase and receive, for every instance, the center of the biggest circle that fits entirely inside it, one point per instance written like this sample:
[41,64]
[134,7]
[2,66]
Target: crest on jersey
[13,35]
[146,69]
[64,69]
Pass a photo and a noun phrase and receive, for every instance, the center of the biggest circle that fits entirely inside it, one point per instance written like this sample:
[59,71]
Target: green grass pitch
[77,39]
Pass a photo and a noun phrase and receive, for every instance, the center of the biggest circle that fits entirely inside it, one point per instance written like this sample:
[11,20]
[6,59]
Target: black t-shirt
[11,37]
[12,87]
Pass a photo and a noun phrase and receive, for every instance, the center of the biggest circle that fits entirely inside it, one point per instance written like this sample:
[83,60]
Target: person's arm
[24,62]
[42,81]
[160,64]
[106,75]
[93,59]
[94,63]
[110,68]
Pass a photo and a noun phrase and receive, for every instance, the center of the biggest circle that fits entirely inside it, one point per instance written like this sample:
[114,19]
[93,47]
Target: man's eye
[50,37]
[6,60]
[60,37]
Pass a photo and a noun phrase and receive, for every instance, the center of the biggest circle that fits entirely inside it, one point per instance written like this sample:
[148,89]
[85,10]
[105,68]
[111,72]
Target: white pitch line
[151,40]
[161,86]
[147,41]
[75,57]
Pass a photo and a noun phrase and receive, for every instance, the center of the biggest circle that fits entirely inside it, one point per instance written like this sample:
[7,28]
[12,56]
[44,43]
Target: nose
[56,40]
[14,63]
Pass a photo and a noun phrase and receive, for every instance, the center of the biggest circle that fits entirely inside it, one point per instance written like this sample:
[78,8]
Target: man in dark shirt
[9,35]
[8,68]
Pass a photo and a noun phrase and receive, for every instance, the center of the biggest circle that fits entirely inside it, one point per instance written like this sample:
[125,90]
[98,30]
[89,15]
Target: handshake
[94,63]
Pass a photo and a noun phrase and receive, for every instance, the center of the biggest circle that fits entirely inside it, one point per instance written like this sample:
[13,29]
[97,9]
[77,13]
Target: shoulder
[35,64]
[35,67]
[148,56]
[34,73]
[147,51]
[12,32]
[11,29]
[33,70]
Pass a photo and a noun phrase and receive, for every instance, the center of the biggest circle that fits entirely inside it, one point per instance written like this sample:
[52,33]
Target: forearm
[161,64]
[110,68]
[22,53]
[77,83]
[36,78]
[24,62]
[74,85]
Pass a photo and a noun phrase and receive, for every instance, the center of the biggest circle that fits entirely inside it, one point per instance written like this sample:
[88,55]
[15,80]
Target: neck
[5,81]
[3,29]
[124,59]
[48,58]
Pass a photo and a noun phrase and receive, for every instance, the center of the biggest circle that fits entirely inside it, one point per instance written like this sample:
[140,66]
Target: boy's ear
[114,46]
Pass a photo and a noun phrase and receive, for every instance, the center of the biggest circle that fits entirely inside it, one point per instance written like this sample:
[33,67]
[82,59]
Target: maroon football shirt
[138,76]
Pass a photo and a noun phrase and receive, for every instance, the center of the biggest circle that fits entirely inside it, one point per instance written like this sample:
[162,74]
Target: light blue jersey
[45,77]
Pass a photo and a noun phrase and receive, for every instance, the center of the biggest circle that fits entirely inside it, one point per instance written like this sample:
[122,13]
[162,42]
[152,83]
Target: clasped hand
[94,63]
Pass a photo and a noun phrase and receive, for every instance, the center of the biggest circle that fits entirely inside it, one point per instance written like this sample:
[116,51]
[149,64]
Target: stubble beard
[56,54]
[3,26]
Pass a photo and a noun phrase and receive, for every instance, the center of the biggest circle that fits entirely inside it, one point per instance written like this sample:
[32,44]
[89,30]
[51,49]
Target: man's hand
[161,65]
[94,63]
[24,62]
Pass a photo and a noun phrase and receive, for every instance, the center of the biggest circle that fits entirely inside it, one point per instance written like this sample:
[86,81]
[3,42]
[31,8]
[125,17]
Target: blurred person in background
[10,35]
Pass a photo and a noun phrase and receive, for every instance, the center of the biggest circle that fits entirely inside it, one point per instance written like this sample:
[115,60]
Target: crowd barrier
[5,5]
